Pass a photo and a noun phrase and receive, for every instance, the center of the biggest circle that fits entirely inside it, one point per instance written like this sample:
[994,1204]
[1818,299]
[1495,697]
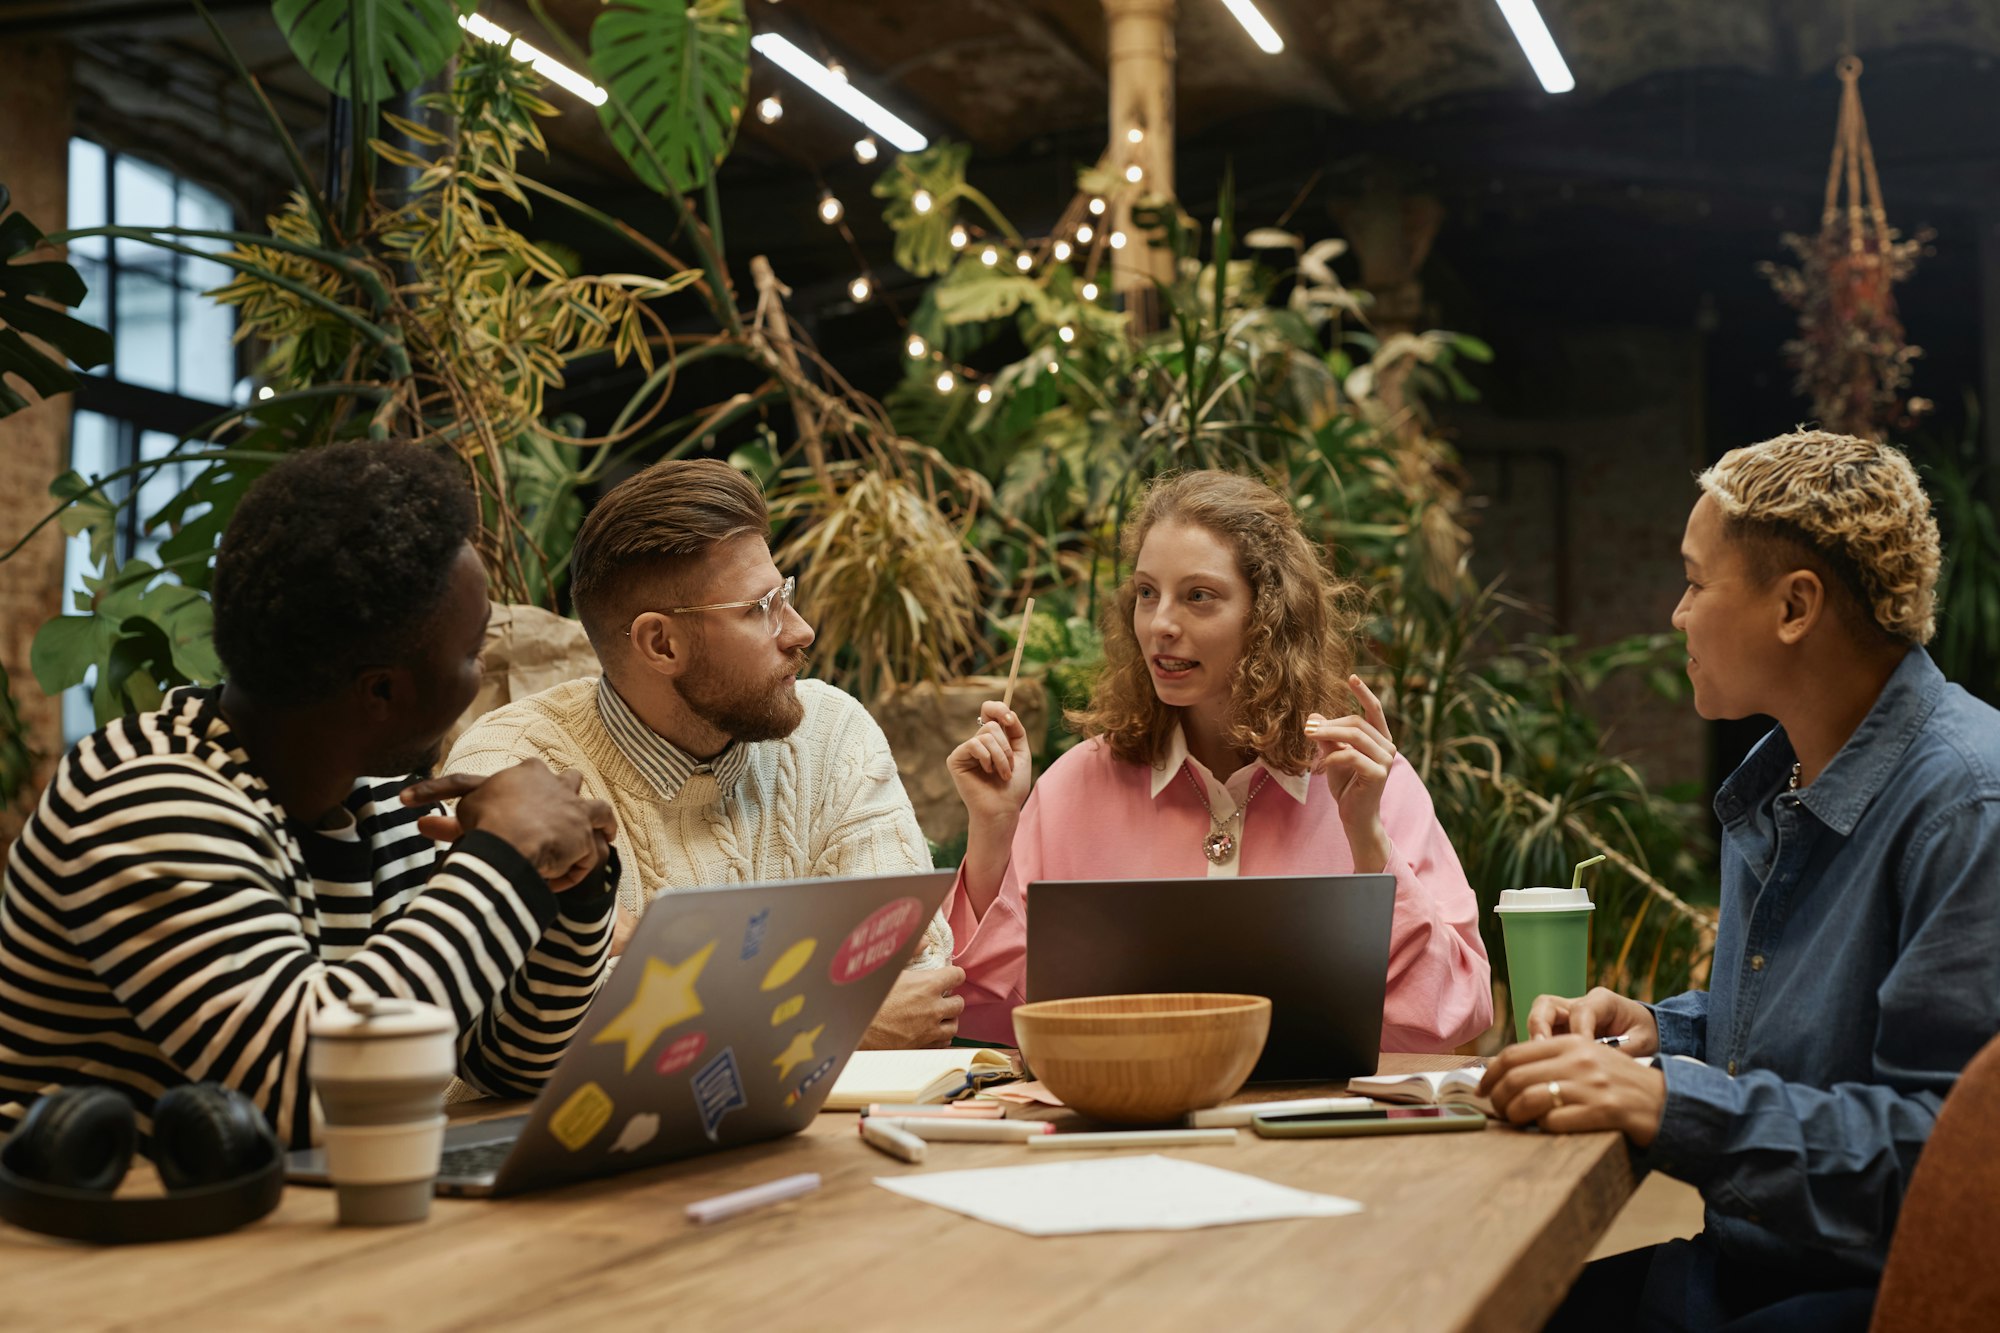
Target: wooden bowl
[1143,1059]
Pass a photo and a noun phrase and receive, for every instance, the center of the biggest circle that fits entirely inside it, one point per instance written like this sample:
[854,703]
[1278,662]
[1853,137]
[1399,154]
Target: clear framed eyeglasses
[771,606]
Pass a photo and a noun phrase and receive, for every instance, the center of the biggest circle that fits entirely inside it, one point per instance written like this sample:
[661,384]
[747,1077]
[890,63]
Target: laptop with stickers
[725,1022]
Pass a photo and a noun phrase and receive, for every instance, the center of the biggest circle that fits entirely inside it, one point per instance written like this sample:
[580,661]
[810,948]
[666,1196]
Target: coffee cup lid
[381,1016]
[1545,900]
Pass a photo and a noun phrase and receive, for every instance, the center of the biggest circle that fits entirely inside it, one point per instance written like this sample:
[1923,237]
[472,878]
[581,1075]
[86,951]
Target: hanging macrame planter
[1852,359]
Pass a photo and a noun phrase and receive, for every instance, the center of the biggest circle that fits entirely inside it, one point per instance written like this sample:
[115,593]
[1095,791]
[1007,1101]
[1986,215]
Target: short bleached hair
[1854,506]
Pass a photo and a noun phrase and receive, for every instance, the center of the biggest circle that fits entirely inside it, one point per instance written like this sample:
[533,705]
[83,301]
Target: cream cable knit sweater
[823,802]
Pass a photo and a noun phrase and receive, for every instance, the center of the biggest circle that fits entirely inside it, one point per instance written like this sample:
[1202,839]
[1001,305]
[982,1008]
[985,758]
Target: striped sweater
[164,921]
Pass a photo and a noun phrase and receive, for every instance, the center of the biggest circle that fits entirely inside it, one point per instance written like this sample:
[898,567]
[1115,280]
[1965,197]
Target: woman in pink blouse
[1204,758]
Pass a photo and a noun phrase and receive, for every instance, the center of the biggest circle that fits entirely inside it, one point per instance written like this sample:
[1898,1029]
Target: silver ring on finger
[1555,1093]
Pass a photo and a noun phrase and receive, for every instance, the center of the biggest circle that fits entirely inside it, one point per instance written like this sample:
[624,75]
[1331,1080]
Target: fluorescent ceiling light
[534,57]
[838,91]
[1254,23]
[1536,44]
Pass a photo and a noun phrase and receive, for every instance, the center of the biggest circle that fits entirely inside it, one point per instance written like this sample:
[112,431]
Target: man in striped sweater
[197,881]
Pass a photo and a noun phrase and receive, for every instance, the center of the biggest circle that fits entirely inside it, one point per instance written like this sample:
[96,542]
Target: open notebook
[909,1077]
[1448,1087]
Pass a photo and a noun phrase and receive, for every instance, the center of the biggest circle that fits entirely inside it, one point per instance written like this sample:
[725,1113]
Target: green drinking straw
[1576,877]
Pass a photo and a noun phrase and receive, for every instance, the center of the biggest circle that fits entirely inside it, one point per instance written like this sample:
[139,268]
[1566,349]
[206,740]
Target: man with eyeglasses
[722,764]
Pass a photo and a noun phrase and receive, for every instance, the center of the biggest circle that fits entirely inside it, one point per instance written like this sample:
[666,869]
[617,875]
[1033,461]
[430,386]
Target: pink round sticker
[876,941]
[681,1052]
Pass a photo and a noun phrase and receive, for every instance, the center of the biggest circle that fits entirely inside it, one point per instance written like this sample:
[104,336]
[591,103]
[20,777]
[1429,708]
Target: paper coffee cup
[380,1067]
[1547,932]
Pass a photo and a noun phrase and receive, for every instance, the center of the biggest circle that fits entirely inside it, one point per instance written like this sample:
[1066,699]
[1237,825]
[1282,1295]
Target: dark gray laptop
[726,1022]
[1317,945]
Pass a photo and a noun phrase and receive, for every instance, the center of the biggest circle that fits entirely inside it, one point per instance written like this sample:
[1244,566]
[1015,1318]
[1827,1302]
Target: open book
[909,1077]
[1447,1087]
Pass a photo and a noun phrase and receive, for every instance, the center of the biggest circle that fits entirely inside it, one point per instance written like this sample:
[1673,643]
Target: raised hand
[993,768]
[1356,753]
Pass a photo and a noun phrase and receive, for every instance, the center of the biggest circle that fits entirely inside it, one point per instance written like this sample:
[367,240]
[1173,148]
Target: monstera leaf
[31,294]
[678,75]
[923,236]
[394,44]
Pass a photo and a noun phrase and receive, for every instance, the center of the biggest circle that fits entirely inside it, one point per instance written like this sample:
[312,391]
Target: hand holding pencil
[993,769]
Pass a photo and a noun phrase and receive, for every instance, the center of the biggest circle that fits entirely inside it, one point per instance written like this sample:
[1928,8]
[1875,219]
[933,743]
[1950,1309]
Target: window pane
[207,210]
[86,194]
[93,443]
[145,350]
[155,491]
[96,308]
[142,196]
[93,451]
[208,358]
[79,719]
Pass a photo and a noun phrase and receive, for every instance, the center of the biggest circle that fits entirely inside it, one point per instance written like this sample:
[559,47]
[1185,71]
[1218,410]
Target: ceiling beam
[135,18]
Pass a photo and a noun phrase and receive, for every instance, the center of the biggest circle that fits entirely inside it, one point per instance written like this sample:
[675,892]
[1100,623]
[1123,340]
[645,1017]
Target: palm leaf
[31,299]
[678,76]
[396,44]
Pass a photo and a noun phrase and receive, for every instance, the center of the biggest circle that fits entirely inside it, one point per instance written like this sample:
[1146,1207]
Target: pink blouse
[1092,816]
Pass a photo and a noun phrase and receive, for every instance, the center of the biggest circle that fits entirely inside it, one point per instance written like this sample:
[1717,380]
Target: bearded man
[722,764]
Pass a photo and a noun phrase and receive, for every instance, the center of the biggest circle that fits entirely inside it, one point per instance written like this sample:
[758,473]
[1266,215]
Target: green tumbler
[1548,945]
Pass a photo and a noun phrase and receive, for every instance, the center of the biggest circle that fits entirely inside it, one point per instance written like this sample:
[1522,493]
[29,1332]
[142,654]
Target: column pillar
[1140,43]
[36,106]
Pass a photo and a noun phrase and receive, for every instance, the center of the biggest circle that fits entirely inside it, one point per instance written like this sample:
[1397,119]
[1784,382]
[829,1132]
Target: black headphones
[215,1152]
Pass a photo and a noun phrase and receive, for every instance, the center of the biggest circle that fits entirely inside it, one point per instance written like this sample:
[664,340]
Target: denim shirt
[1857,970]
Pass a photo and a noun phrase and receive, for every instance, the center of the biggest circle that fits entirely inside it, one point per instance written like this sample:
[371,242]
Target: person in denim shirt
[1857,958]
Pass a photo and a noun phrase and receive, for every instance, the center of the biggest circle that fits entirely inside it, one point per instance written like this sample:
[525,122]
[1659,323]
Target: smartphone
[1381,1120]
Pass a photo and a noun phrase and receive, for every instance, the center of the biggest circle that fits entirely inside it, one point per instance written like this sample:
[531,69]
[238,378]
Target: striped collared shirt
[665,766]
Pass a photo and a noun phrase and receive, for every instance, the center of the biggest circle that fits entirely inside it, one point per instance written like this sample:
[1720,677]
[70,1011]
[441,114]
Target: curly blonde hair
[1298,647]
[1853,508]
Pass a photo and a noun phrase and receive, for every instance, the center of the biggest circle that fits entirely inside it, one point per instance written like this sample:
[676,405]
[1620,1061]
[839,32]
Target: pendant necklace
[1220,844]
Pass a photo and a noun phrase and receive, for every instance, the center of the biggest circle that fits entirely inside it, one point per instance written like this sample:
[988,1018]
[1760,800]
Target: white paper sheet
[1150,1193]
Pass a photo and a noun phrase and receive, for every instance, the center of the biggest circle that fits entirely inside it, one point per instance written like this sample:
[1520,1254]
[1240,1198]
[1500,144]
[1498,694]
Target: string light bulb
[1089,291]
[985,394]
[860,290]
[866,150]
[917,348]
[958,237]
[1067,333]
[770,110]
[1135,135]
[989,256]
[1096,207]
[1055,367]
[1135,173]
[838,70]
[1084,234]
[1117,240]
[1060,250]
[1023,261]
[921,201]
[830,210]
[946,382]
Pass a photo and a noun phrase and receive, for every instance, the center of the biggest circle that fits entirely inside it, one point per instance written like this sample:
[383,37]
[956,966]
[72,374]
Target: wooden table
[1461,1231]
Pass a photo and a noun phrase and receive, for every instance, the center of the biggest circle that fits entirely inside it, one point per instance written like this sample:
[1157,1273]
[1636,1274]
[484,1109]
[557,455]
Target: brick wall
[1597,433]
[35,109]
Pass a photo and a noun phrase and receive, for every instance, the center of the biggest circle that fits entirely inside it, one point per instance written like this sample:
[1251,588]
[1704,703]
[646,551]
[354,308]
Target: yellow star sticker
[665,997]
[796,1054]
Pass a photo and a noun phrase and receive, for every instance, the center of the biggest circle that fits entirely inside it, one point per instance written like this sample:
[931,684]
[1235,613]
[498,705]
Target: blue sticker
[825,1068]
[718,1090]
[753,934]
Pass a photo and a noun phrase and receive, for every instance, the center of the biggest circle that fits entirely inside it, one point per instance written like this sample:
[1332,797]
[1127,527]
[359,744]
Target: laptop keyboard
[474,1160]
